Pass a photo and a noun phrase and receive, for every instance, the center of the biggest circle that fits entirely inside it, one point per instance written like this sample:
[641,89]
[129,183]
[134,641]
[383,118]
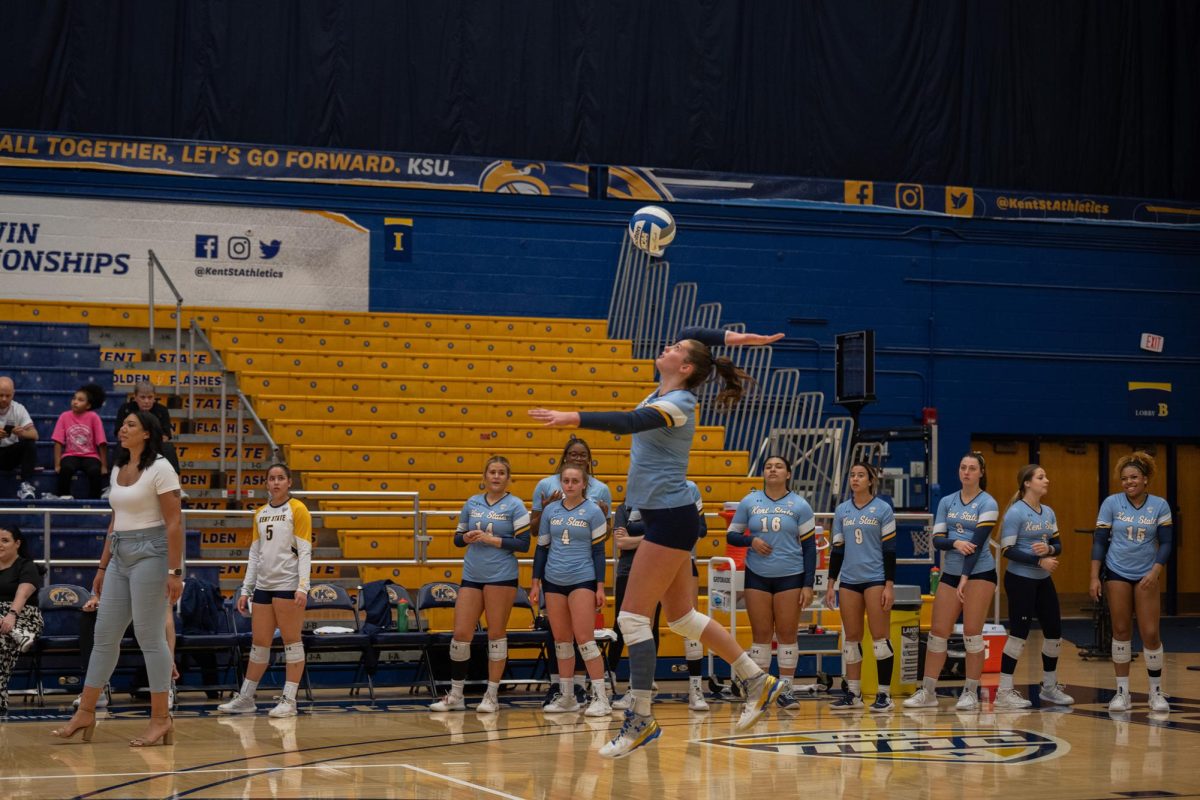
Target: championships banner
[311,164]
[638,183]
[55,248]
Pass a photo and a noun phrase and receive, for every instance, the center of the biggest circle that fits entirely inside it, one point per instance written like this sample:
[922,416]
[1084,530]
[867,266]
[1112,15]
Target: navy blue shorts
[466,584]
[675,528]
[554,588]
[1109,575]
[862,587]
[263,597]
[952,580]
[785,583]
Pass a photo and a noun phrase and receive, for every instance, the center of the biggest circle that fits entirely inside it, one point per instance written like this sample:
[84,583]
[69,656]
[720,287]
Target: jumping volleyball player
[864,556]
[662,427]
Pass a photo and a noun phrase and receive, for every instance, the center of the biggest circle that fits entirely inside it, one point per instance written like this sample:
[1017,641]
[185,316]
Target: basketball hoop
[922,541]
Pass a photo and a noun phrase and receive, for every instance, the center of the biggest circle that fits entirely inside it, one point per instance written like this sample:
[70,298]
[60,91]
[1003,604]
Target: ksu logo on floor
[966,746]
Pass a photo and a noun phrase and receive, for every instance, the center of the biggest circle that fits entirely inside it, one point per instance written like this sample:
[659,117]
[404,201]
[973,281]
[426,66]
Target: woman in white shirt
[140,576]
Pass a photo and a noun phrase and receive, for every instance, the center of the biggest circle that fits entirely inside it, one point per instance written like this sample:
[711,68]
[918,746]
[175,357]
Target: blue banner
[313,164]
[637,183]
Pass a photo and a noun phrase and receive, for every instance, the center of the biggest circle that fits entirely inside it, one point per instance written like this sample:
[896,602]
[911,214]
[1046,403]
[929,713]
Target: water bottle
[402,615]
[935,577]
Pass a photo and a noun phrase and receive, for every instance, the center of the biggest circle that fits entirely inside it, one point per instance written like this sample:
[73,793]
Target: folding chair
[324,600]
[61,605]
[384,632]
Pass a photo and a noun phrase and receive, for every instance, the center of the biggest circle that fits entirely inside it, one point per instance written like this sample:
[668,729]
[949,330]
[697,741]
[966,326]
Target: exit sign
[1152,342]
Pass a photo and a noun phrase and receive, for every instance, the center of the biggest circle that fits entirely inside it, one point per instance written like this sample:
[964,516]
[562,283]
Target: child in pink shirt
[79,443]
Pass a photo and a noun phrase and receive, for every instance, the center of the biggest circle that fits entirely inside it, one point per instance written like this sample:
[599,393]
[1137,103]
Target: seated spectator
[79,444]
[20,618]
[145,399]
[18,439]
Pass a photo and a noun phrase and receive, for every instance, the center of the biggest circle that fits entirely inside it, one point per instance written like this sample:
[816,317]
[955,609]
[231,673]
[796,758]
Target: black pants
[1029,598]
[89,466]
[21,456]
[614,652]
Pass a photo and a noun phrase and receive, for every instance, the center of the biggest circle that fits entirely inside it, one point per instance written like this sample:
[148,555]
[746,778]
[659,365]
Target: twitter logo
[269,249]
[960,201]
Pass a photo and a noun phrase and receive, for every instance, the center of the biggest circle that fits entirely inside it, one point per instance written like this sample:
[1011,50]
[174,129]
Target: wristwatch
[177,572]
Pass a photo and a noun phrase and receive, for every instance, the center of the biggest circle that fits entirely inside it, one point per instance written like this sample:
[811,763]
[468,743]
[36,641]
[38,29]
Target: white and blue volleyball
[652,228]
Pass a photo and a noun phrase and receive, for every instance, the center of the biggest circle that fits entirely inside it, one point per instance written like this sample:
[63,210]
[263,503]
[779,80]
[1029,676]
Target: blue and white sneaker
[761,693]
[637,731]
[883,704]
[849,701]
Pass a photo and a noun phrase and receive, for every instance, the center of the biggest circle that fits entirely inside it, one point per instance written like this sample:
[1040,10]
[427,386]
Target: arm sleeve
[1055,544]
[983,531]
[713,337]
[621,518]
[1100,539]
[302,535]
[837,554]
[252,559]
[464,517]
[736,535]
[1166,538]
[519,543]
[539,560]
[808,546]
[636,421]
[701,526]
[738,539]
[598,559]
[1013,554]
[889,565]
[940,540]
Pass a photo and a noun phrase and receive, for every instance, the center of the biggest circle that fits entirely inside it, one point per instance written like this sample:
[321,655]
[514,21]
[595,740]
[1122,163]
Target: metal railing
[155,265]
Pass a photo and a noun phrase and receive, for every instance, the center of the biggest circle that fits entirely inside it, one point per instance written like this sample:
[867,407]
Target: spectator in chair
[79,444]
[20,619]
[145,399]
[18,439]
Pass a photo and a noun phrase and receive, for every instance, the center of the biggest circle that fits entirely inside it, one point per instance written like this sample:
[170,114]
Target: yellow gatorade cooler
[905,638]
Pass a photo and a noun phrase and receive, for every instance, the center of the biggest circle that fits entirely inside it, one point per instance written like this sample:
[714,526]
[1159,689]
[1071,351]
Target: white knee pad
[1051,648]
[497,649]
[788,657]
[460,651]
[260,654]
[1015,646]
[634,628]
[851,652]
[973,644]
[589,650]
[692,650]
[936,644]
[760,654]
[882,648]
[293,652]
[1154,658]
[564,650]
[1122,653]
[690,626]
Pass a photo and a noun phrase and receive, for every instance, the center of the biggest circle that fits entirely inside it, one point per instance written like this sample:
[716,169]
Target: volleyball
[652,228]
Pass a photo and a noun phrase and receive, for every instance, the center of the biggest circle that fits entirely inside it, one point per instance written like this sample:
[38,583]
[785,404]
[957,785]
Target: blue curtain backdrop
[1099,96]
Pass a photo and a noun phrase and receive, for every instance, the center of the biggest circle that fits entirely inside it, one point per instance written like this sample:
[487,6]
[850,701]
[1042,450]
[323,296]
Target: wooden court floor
[397,748]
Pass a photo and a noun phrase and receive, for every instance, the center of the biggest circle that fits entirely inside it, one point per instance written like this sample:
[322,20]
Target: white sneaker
[922,699]
[1120,701]
[599,707]
[847,702]
[27,491]
[286,707]
[760,693]
[1056,695]
[171,697]
[696,701]
[488,705]
[1010,699]
[101,701]
[636,732]
[624,702]
[238,704]
[1158,701]
[23,638]
[451,702]
[968,701]
[883,704]
[561,704]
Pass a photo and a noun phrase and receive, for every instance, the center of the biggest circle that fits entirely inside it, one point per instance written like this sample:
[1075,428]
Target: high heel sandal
[88,730]
[166,737]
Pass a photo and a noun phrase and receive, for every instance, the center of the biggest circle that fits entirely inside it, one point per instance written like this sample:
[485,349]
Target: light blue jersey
[1133,546]
[862,532]
[658,458]
[570,534]
[506,518]
[958,521]
[1023,528]
[597,491]
[783,524]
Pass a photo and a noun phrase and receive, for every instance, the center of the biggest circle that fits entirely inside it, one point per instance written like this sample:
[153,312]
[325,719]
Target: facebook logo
[206,246]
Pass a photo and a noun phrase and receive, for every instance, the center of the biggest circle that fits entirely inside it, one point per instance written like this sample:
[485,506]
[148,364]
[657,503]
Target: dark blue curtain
[1099,96]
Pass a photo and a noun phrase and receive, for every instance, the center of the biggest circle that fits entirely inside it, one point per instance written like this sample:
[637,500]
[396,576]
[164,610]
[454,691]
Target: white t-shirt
[14,415]
[136,507]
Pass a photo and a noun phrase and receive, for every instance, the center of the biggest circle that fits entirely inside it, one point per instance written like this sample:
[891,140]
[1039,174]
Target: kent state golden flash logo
[945,745]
